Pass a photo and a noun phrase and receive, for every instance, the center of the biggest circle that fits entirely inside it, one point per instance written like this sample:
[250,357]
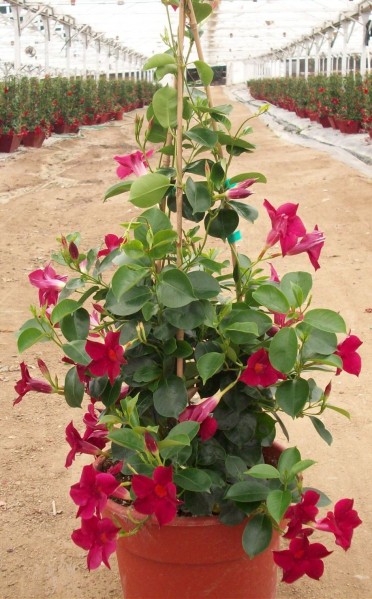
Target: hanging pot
[10,142]
[192,557]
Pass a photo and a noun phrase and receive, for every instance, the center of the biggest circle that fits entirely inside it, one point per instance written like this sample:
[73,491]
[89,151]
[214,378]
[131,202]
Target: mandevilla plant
[189,359]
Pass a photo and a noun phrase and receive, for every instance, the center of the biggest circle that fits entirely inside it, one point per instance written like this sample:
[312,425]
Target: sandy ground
[59,189]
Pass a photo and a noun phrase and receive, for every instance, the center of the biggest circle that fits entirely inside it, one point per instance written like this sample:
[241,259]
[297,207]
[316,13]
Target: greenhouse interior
[185,191]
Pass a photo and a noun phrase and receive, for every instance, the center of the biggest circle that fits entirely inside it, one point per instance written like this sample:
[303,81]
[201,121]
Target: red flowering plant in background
[189,363]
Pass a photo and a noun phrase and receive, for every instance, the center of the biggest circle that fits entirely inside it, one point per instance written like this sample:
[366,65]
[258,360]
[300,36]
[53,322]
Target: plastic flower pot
[10,142]
[324,121]
[33,139]
[349,126]
[63,128]
[192,557]
[313,116]
[301,112]
[119,115]
[332,121]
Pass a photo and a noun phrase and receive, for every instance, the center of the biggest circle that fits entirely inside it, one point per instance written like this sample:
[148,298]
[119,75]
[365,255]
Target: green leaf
[243,176]
[209,364]
[263,471]
[283,350]
[205,286]
[130,302]
[272,298]
[165,70]
[148,190]
[29,337]
[126,437]
[205,72]
[325,320]
[257,535]
[76,351]
[235,466]
[292,396]
[321,430]
[234,145]
[190,316]
[65,307]
[202,136]
[198,196]
[174,289]
[164,103]
[163,244]
[288,458]
[301,466]
[221,223]
[188,428]
[127,277]
[118,188]
[197,167]
[339,410]
[76,326]
[74,389]
[193,479]
[154,218]
[317,341]
[293,280]
[158,60]
[170,398]
[244,210]
[247,491]
[277,503]
[202,11]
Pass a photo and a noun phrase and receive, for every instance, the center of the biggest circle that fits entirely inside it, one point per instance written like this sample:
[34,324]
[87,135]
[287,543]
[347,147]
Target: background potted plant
[189,360]
[10,119]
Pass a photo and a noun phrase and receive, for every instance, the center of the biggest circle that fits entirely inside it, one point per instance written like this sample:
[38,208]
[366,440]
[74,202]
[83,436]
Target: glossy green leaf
[222,223]
[317,341]
[126,437]
[198,195]
[243,176]
[193,479]
[244,210]
[293,280]
[158,60]
[278,502]
[148,190]
[163,244]
[75,350]
[288,458]
[127,277]
[247,491]
[63,308]
[117,189]
[271,298]
[257,535]
[190,316]
[205,286]
[321,430]
[301,466]
[209,364]
[202,136]
[29,337]
[130,302]
[263,471]
[292,396]
[205,72]
[325,320]
[76,326]
[74,389]
[283,350]
[174,289]
[202,11]
[170,398]
[164,103]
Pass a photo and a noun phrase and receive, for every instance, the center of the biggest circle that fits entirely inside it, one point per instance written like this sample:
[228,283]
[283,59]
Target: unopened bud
[327,390]
[151,444]
[73,250]
[141,334]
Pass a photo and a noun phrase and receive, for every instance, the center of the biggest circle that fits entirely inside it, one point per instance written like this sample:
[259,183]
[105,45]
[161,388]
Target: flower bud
[73,250]
[151,444]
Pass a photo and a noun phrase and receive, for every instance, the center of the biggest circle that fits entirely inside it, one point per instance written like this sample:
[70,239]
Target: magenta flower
[287,227]
[27,383]
[156,495]
[106,357]
[240,191]
[49,284]
[90,420]
[113,242]
[150,443]
[201,412]
[301,513]
[99,538]
[351,361]
[301,558]
[259,371]
[89,443]
[132,163]
[341,522]
[92,491]
[311,243]
[273,274]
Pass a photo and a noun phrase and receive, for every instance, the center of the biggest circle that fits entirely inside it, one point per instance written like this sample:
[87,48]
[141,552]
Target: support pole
[17,38]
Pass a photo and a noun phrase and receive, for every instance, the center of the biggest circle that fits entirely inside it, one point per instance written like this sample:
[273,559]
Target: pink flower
[240,191]
[259,371]
[49,284]
[132,163]
[201,412]
[156,495]
[90,420]
[89,443]
[106,357]
[92,491]
[311,243]
[301,558]
[301,513]
[113,242]
[27,383]
[287,227]
[273,274]
[341,522]
[99,538]
[351,361]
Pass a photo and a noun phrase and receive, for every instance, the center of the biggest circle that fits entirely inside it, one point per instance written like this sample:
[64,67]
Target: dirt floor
[59,189]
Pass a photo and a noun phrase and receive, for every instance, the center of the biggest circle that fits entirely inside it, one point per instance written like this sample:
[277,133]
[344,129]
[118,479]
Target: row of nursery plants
[31,106]
[335,101]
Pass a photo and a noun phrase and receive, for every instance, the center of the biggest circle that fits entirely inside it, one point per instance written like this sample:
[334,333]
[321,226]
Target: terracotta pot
[10,142]
[192,558]
[324,121]
[33,139]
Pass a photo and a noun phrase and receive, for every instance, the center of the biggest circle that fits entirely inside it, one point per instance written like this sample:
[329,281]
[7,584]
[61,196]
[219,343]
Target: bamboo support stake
[179,165]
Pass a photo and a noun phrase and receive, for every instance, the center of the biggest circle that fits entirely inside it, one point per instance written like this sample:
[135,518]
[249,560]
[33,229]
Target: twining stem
[179,165]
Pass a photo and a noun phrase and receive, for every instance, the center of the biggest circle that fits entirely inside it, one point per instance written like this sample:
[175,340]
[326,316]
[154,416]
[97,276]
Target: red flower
[49,284]
[301,558]
[311,243]
[27,383]
[99,537]
[287,227]
[351,361]
[106,357]
[341,522]
[92,491]
[90,443]
[259,371]
[112,242]
[301,513]
[156,495]
[201,412]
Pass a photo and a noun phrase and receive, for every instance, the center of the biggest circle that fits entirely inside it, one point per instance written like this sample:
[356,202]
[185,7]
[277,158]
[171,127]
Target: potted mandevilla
[186,360]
